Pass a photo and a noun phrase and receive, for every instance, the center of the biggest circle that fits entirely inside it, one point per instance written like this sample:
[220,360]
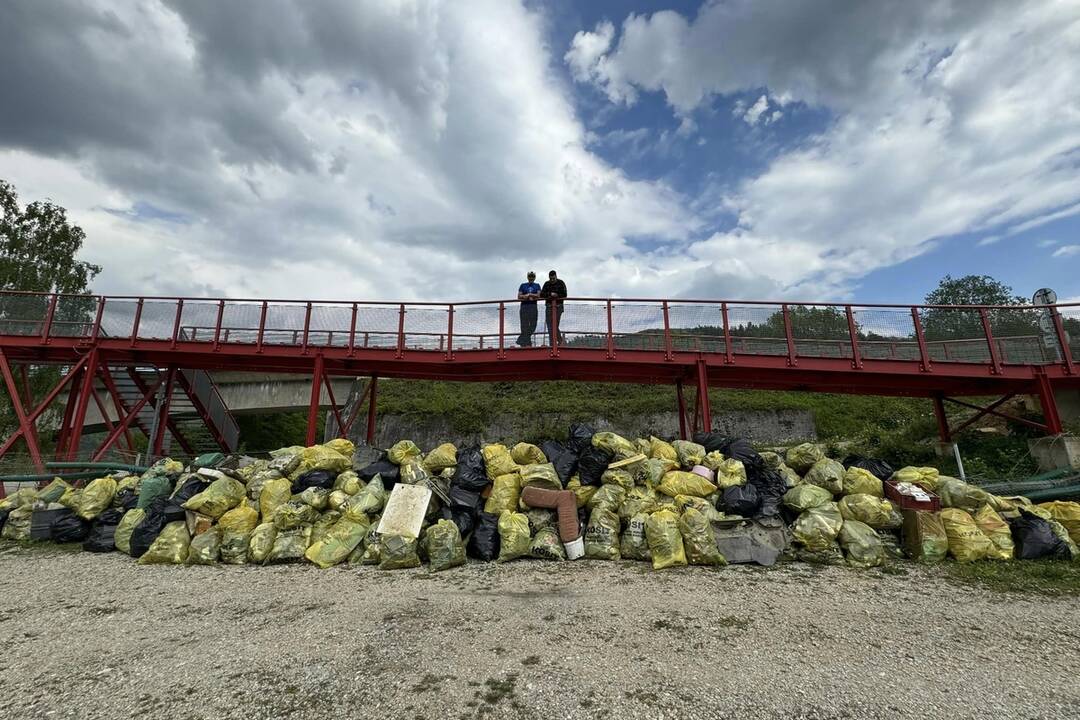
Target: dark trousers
[553,327]
[527,315]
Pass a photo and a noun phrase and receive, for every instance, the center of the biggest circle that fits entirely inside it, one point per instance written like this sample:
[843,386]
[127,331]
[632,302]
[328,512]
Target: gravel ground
[96,636]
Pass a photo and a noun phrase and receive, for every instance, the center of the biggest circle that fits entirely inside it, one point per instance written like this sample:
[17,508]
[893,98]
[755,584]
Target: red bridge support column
[1049,403]
[703,395]
[682,409]
[313,406]
[942,419]
[374,387]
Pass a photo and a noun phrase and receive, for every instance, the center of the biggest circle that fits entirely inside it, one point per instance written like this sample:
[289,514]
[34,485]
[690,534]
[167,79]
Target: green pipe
[97,466]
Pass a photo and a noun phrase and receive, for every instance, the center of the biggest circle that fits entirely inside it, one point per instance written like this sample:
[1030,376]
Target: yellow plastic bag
[617,445]
[634,544]
[925,537]
[967,542]
[292,515]
[274,493]
[609,497]
[322,526]
[497,461]
[956,493]
[127,525]
[924,477]
[541,476]
[403,451]
[730,473]
[321,457]
[55,490]
[348,482]
[654,470]
[241,519]
[261,542]
[665,540]
[527,454]
[874,511]
[504,494]
[702,505]
[442,542]
[804,497]
[223,494]
[638,500]
[828,474]
[337,543]
[343,446]
[618,477]
[368,501]
[1066,513]
[817,528]
[802,457]
[859,481]
[316,497]
[994,527]
[662,450]
[440,458]
[713,460]
[169,547]
[337,499]
[862,544]
[205,548]
[582,493]
[699,542]
[95,498]
[688,453]
[514,538]
[602,535]
[678,482]
[290,545]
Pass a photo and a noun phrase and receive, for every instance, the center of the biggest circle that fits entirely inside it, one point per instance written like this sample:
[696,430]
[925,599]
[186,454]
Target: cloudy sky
[403,150]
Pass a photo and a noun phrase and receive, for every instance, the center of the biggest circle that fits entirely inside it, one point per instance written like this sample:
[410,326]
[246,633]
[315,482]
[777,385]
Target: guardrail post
[995,360]
[97,319]
[502,331]
[401,332]
[450,333]
[352,332]
[49,319]
[553,328]
[729,351]
[920,337]
[853,333]
[262,328]
[135,324]
[307,326]
[176,322]
[789,336]
[217,324]
[610,333]
[1066,351]
[668,355]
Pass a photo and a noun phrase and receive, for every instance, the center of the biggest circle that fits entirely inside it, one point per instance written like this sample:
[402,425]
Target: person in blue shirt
[528,293]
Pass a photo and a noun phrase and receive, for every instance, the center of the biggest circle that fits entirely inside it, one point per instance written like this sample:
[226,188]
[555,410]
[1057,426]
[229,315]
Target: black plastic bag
[738,448]
[770,486]
[463,498]
[1034,539]
[389,472]
[103,531]
[592,463]
[741,500]
[484,543]
[878,468]
[173,507]
[566,465]
[151,526]
[464,518]
[67,527]
[580,437]
[470,474]
[552,449]
[126,499]
[3,517]
[315,479]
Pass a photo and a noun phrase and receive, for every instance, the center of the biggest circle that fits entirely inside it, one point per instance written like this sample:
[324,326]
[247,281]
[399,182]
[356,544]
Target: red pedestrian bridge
[137,359]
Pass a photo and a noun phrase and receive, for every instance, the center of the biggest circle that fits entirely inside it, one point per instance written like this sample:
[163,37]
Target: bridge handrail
[925,331]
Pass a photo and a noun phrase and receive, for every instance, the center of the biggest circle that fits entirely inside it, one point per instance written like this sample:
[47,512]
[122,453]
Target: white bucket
[575,549]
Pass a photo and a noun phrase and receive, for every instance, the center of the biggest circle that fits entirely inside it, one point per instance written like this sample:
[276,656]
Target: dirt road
[96,636]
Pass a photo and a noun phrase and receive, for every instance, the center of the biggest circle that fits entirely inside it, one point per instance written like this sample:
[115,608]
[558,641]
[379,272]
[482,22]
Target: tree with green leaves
[39,250]
[960,324]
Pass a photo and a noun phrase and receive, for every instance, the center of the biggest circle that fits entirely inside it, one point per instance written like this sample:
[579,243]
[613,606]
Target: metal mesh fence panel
[157,319]
[118,317]
[23,314]
[284,324]
[1017,338]
[74,316]
[377,326]
[696,327]
[757,329]
[240,322]
[820,331]
[476,327]
[955,335]
[426,327]
[886,334]
[1070,322]
[329,326]
[582,325]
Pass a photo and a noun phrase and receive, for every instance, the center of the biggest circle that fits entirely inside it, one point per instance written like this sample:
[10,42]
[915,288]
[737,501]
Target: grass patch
[1038,577]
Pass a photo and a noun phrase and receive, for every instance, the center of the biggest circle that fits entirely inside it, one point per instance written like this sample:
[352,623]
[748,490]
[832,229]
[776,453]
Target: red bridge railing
[990,335]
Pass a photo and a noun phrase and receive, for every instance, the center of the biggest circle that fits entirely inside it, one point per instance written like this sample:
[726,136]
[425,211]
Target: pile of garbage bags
[605,497]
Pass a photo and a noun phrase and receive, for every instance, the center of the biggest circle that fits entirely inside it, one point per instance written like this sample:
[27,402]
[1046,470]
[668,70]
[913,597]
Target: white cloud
[756,110]
[331,150]
[948,118]
[1067,251]
[1045,243]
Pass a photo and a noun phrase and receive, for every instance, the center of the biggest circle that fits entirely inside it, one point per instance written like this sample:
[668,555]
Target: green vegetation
[1041,577]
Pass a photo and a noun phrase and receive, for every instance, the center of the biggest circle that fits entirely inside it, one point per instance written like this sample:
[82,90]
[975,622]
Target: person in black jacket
[553,292]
